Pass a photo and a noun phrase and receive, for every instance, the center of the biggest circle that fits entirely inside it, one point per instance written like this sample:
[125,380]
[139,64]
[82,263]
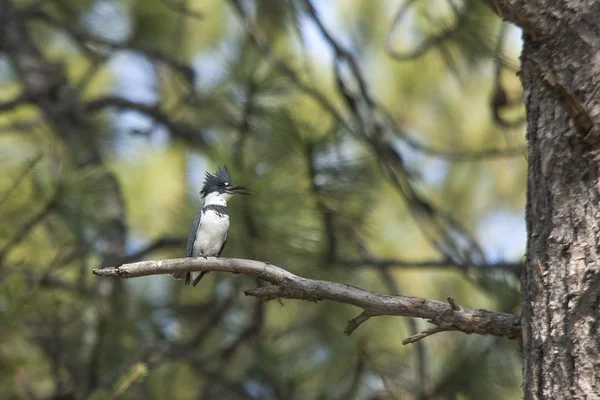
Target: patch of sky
[153,288]
[373,384]
[503,236]
[327,12]
[211,66]
[224,290]
[406,30]
[167,322]
[136,131]
[430,170]
[434,171]
[108,20]
[7,73]
[320,355]
[236,320]
[239,92]
[135,77]
[258,390]
[336,159]
[197,165]
[460,247]
[136,82]
[210,69]
[514,40]
[316,47]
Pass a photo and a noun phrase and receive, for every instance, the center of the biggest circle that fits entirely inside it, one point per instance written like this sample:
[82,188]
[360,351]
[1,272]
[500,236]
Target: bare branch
[355,322]
[424,334]
[394,288]
[452,303]
[290,286]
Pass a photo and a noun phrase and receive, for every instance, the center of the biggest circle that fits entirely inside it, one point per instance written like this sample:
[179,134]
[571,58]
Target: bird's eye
[221,184]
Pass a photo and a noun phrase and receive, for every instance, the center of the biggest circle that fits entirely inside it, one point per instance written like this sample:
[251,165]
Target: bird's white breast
[211,234]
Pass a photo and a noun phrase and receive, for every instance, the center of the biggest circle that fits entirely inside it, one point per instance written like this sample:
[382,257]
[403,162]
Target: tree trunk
[561,284]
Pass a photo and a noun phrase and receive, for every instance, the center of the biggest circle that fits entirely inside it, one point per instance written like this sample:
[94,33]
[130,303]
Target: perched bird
[209,229]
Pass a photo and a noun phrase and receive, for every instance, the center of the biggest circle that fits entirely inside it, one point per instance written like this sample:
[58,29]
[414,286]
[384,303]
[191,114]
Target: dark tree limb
[159,244]
[356,322]
[179,129]
[259,40]
[25,228]
[11,104]
[424,334]
[511,267]
[443,231]
[84,39]
[29,165]
[428,43]
[290,286]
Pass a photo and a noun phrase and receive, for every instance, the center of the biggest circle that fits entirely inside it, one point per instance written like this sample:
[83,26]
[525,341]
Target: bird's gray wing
[222,246]
[190,248]
[192,237]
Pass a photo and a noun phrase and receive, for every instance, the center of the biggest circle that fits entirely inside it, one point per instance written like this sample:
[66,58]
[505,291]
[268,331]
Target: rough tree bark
[561,283]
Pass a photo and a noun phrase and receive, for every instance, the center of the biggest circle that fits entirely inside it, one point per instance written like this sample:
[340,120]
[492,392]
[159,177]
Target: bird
[208,235]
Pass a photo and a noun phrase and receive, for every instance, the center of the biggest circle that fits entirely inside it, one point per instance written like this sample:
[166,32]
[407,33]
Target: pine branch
[180,129]
[286,285]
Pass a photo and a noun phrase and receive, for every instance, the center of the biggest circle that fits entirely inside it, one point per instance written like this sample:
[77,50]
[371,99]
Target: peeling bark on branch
[287,285]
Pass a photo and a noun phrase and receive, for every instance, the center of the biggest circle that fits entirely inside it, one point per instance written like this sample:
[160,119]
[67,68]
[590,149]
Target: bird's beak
[238,189]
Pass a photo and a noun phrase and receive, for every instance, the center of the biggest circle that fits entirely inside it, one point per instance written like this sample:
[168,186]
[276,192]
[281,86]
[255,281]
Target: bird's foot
[205,257]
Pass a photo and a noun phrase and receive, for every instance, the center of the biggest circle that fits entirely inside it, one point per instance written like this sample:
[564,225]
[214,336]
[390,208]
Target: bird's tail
[182,275]
[199,277]
[188,277]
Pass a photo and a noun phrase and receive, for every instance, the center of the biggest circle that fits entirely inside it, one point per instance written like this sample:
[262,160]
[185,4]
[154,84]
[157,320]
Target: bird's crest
[211,182]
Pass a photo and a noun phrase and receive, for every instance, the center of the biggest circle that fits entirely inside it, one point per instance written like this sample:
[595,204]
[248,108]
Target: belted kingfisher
[209,229]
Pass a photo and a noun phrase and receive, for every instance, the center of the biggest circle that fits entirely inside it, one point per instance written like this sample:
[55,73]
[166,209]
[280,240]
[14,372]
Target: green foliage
[325,201]
[136,374]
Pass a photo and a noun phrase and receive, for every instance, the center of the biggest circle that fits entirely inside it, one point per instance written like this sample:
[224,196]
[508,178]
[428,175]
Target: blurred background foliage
[385,143]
